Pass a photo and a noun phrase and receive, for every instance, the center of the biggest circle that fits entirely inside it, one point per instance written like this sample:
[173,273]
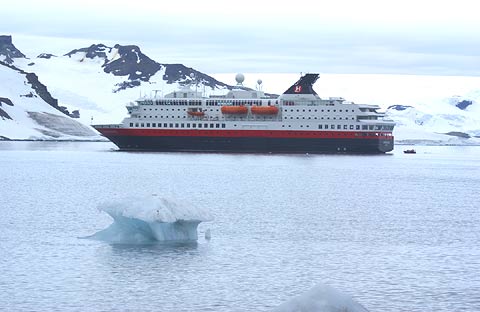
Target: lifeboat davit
[197,114]
[234,110]
[264,110]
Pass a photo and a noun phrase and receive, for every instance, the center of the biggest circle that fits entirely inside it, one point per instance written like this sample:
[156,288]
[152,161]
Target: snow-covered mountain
[95,83]
[135,67]
[8,51]
[99,81]
[27,109]
[454,120]
[92,84]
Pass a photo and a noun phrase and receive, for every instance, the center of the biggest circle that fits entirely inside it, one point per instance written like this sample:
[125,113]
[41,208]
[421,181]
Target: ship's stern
[386,144]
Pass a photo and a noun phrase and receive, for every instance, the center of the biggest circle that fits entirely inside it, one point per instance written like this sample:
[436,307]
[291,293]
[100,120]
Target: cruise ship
[249,121]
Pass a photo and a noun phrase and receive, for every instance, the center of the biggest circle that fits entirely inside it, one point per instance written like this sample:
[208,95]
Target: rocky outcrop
[399,107]
[5,101]
[8,51]
[93,51]
[463,104]
[39,88]
[133,63]
[46,56]
[459,134]
[120,60]
[182,74]
[130,62]
[3,114]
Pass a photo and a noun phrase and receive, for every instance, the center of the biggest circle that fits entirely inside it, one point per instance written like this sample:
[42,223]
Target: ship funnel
[304,85]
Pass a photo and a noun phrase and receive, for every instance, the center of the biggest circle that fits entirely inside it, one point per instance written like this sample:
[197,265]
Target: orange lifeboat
[196,114]
[264,110]
[234,110]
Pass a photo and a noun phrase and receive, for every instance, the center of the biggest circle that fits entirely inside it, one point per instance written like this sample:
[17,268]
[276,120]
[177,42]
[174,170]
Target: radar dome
[192,75]
[259,81]
[239,78]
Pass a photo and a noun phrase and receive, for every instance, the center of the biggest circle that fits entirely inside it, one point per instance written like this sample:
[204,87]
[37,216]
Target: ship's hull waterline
[255,143]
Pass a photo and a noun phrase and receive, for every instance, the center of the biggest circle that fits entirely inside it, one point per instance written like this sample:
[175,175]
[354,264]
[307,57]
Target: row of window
[310,102]
[207,102]
[285,110]
[322,110]
[231,102]
[226,117]
[357,127]
[222,125]
[334,118]
[177,125]
[170,102]
[234,102]
[264,117]
[166,109]
[339,127]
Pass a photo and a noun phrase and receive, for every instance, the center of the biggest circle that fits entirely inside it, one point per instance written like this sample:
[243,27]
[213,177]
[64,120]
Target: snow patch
[33,118]
[60,125]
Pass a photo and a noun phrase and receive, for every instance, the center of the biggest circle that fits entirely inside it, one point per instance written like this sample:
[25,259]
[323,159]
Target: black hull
[251,144]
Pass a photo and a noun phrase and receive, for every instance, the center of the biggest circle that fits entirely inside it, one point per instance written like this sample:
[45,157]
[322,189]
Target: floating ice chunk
[155,208]
[321,298]
[140,220]
[208,234]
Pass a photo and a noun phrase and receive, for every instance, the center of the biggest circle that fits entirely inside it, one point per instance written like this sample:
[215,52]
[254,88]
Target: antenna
[259,84]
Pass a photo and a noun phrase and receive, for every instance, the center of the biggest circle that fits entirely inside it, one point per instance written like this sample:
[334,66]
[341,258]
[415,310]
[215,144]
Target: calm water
[397,232]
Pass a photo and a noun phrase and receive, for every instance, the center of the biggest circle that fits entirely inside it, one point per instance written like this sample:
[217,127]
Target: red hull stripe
[245,133]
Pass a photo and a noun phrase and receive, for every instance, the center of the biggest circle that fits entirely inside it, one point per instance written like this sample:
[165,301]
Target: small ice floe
[321,298]
[208,234]
[150,219]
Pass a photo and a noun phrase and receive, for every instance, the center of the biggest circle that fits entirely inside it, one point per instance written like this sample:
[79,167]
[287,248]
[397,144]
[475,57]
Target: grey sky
[369,36]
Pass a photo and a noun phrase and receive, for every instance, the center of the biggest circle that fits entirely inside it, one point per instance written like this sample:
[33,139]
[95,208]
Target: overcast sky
[336,36]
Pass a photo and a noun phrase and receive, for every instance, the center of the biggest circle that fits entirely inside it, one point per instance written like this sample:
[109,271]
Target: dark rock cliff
[3,114]
[95,50]
[8,50]
[39,88]
[180,73]
[399,107]
[46,56]
[463,104]
[130,62]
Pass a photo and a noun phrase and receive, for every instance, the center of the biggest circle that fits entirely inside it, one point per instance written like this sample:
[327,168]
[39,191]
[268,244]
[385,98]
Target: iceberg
[321,298]
[151,219]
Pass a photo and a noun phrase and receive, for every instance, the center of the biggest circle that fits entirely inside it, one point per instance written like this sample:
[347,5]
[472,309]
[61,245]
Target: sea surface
[397,232]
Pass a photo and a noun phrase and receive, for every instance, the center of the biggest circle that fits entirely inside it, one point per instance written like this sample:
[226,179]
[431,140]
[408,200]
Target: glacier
[151,219]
